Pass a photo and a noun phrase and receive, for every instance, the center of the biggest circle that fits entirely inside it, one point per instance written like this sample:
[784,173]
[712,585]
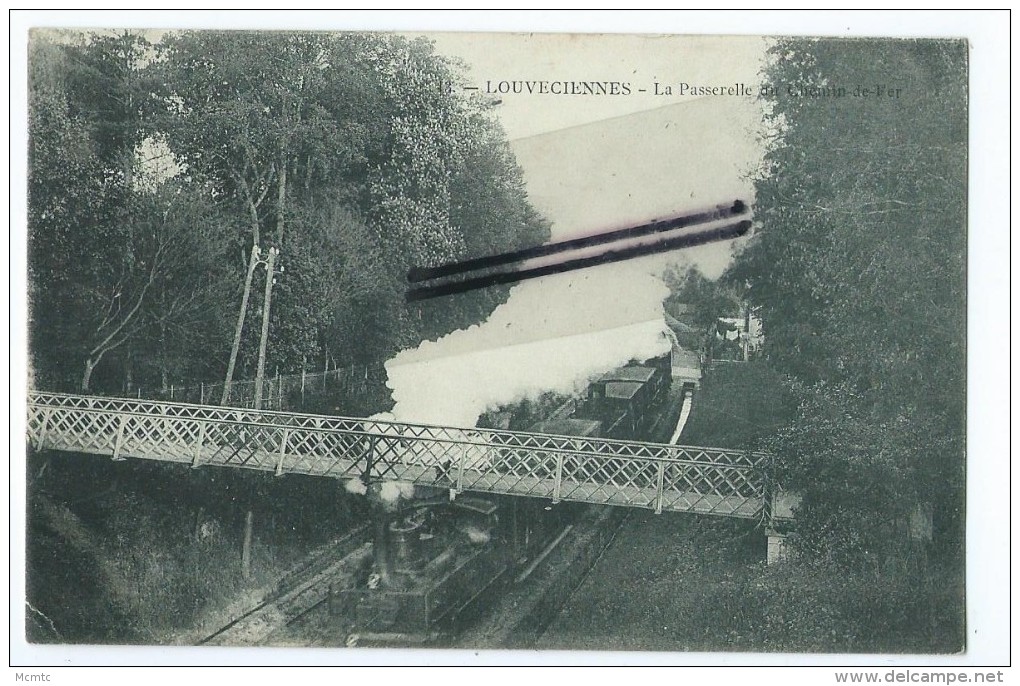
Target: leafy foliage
[154,556]
[708,300]
[859,273]
[676,582]
[111,267]
[345,151]
[739,406]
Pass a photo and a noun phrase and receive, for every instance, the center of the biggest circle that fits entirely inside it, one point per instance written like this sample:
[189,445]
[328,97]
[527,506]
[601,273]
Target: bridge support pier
[780,517]
[776,551]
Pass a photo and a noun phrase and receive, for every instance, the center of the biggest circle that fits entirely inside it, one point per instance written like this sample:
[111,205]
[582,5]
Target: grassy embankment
[144,552]
[688,583]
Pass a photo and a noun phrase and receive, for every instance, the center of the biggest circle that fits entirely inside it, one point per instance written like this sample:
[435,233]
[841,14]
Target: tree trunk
[86,377]
[162,355]
[129,372]
[281,200]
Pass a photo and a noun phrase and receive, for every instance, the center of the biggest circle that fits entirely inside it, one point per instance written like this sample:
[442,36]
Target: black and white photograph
[433,343]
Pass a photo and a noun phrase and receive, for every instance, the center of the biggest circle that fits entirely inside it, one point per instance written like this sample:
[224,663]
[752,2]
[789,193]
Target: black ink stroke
[419,274]
[721,233]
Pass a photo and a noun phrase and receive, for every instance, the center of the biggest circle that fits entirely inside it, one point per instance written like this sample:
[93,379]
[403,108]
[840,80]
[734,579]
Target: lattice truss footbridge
[655,476]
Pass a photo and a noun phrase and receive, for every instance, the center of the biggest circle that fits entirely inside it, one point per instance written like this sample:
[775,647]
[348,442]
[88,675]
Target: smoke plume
[552,335]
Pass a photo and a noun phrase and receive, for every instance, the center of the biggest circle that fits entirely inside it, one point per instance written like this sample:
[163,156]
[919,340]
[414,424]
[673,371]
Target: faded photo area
[505,341]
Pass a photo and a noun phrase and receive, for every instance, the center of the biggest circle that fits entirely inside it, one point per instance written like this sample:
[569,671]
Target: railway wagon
[543,465]
[626,399]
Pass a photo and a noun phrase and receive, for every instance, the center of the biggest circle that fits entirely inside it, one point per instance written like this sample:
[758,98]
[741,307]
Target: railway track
[295,612]
[299,592]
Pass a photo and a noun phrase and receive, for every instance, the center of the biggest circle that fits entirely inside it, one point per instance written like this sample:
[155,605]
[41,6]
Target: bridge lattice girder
[654,476]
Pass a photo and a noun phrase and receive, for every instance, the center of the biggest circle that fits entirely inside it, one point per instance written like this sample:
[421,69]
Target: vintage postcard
[503,341]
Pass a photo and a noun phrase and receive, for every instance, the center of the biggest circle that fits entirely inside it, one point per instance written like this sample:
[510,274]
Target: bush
[820,607]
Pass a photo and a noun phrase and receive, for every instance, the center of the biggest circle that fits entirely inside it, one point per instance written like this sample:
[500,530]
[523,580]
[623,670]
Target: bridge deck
[590,470]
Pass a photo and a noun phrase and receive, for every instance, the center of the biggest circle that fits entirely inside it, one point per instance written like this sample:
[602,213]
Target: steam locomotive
[442,560]
[436,560]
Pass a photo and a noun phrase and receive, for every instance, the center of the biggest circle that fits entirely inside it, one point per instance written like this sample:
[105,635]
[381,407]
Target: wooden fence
[279,392]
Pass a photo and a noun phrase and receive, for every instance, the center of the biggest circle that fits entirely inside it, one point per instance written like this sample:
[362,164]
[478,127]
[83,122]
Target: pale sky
[640,60]
[598,162]
[593,163]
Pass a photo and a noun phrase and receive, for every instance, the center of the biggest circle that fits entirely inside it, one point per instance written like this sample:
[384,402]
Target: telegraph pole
[252,262]
[264,340]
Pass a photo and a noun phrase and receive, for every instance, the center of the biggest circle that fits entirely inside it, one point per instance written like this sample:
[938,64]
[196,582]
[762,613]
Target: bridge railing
[649,475]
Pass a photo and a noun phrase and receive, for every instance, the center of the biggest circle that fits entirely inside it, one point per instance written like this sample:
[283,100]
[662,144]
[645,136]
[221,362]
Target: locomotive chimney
[382,513]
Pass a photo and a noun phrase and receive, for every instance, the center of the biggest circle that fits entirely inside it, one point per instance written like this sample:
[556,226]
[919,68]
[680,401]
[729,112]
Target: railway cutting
[497,516]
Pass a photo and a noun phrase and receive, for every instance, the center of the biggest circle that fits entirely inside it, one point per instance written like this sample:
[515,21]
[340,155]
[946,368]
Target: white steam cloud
[553,334]
[356,486]
[393,490]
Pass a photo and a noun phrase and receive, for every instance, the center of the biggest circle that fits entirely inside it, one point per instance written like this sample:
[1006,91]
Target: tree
[67,192]
[241,108]
[859,273]
[333,143]
[108,260]
[707,299]
[347,152]
[87,285]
